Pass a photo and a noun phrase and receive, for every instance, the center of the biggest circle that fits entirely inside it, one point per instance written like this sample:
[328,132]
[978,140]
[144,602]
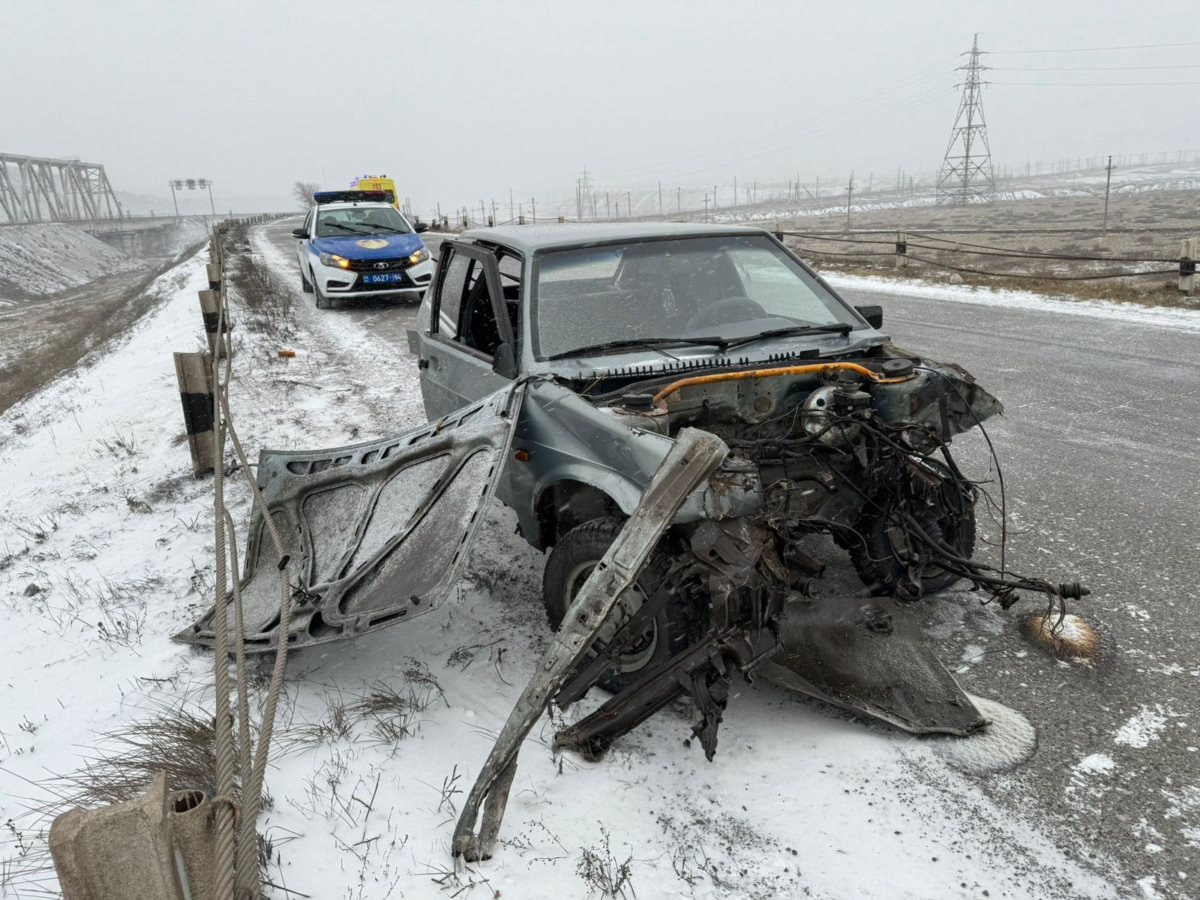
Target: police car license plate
[389,278]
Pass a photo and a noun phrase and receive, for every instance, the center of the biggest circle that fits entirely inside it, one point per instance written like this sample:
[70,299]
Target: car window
[731,286]
[465,311]
[450,297]
[308,222]
[358,220]
[770,283]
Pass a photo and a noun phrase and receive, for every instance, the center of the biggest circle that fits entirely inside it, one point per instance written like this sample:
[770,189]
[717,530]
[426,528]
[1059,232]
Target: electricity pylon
[966,173]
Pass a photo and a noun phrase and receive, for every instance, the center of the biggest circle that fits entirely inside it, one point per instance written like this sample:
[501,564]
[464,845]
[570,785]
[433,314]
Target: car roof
[528,239]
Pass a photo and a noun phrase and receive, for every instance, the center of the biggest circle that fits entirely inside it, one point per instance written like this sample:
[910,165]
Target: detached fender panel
[374,532]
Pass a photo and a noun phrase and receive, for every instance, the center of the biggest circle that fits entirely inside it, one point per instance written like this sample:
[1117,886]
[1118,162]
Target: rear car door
[468,324]
[374,533]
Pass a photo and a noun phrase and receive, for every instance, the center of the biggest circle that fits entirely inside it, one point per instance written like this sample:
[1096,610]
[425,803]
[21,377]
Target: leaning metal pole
[690,461]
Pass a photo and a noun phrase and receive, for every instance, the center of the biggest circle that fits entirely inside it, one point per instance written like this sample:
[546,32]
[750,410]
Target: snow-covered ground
[43,259]
[105,550]
[1161,316]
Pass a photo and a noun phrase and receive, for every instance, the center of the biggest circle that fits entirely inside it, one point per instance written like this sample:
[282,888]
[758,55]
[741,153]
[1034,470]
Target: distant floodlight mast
[966,173]
[178,184]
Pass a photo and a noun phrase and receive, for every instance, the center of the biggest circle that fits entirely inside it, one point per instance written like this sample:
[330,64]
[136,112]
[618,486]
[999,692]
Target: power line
[1086,68]
[1097,49]
[1095,83]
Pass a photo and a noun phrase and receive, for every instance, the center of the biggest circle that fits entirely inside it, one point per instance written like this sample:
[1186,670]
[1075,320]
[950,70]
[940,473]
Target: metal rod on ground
[692,458]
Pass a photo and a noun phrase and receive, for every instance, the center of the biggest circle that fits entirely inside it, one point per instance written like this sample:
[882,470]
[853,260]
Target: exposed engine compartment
[858,450]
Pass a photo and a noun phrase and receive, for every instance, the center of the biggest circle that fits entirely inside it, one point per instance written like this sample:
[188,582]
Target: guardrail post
[210,311]
[193,370]
[1189,251]
[901,260]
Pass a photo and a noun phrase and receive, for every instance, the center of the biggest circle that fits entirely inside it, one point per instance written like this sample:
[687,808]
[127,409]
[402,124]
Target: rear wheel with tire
[671,632]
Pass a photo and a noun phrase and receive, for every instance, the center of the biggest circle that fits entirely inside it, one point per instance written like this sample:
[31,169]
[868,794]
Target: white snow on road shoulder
[1159,316]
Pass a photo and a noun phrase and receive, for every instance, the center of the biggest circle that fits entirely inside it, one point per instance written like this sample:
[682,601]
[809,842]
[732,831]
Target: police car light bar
[354,197]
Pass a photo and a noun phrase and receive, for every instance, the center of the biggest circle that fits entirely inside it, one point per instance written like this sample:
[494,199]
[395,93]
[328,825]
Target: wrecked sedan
[557,365]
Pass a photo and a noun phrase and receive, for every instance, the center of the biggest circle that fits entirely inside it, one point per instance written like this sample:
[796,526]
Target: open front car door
[376,533]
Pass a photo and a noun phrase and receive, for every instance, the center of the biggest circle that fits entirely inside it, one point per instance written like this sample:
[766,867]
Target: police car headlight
[332,259]
[419,257]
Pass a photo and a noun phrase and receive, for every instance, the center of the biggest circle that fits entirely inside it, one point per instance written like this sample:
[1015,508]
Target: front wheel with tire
[321,300]
[671,632]
[305,283]
[881,543]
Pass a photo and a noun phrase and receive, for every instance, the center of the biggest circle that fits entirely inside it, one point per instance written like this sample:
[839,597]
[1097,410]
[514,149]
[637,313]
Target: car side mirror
[299,233]
[420,228]
[503,363]
[873,315]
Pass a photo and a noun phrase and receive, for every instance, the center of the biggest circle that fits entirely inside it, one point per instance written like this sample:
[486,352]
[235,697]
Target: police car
[356,244]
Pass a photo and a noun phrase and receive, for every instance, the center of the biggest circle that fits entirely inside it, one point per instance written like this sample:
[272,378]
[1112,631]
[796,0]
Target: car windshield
[735,287]
[360,220]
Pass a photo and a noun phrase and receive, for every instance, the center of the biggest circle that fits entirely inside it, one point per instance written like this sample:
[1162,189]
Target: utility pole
[715,197]
[660,211]
[734,190]
[849,197]
[964,177]
[706,207]
[510,204]
[628,205]
[679,199]
[817,193]
[607,207]
[533,204]
[1107,184]
[579,199]
[173,200]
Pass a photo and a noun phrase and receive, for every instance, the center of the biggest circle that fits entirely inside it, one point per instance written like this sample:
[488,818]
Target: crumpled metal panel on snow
[375,533]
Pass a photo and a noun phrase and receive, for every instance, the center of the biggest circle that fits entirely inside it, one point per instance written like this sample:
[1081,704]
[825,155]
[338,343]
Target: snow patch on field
[103,517]
[45,259]
[1159,316]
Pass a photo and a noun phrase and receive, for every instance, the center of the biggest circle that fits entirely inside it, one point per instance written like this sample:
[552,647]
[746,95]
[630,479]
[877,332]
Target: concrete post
[120,852]
[196,394]
[901,259]
[214,276]
[210,310]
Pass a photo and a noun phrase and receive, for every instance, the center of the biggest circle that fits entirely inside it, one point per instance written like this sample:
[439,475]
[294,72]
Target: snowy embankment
[105,550]
[44,259]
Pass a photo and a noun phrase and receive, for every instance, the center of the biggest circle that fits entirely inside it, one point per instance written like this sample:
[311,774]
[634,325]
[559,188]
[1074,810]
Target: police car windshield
[360,220]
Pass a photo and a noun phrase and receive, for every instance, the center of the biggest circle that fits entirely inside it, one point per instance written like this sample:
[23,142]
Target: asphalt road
[1099,449]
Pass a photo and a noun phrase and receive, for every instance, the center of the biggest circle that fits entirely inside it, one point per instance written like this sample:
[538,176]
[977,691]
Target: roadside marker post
[901,259]
[210,310]
[1189,252]
[214,276]
[193,371]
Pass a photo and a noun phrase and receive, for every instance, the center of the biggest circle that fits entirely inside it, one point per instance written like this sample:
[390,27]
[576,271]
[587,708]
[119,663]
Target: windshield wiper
[839,328]
[632,343]
[343,227]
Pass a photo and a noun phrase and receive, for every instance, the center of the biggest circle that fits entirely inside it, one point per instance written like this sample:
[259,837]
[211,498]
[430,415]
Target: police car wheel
[322,301]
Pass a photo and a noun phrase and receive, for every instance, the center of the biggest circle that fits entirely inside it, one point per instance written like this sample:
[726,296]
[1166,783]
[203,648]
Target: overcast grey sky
[461,100]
